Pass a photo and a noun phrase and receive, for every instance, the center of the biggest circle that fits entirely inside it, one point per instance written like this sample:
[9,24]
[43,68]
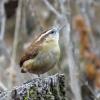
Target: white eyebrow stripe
[42,36]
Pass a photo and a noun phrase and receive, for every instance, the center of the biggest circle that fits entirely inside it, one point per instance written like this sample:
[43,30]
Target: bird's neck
[50,45]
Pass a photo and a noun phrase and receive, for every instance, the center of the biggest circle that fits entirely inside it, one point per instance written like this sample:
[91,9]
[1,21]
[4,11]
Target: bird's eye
[52,32]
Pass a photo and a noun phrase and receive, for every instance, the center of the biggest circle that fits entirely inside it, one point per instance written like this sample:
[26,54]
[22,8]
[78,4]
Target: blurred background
[21,21]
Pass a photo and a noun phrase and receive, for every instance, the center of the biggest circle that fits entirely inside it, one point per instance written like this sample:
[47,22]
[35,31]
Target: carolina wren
[42,54]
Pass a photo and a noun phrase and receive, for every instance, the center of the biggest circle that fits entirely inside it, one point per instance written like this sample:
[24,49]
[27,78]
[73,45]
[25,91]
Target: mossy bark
[50,88]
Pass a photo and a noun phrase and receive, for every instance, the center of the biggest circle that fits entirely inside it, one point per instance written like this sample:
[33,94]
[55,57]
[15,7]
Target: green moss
[54,90]
[33,93]
[25,98]
[62,89]
[49,96]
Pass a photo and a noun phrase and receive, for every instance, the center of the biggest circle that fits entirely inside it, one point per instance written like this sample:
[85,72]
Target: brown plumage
[32,50]
[29,54]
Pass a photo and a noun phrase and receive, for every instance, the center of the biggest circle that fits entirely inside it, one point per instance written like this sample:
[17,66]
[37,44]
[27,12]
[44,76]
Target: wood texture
[50,88]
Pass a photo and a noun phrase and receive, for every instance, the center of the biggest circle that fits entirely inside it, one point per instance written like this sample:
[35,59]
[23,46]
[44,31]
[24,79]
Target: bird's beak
[58,28]
[61,27]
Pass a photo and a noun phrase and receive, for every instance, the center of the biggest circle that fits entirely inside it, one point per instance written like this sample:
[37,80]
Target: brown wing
[31,52]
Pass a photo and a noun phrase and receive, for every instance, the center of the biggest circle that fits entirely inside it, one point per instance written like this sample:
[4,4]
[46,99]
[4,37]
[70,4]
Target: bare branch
[52,8]
[17,29]
[3,86]
[2,20]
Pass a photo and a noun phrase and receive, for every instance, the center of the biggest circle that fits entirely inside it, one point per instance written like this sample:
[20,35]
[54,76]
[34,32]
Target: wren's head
[52,34]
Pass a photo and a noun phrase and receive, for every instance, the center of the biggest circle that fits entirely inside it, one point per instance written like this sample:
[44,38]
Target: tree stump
[50,88]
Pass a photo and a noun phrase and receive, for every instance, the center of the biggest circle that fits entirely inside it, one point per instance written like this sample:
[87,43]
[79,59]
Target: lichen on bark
[50,88]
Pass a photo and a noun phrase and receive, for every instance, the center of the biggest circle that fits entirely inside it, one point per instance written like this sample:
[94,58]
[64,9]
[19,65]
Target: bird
[42,54]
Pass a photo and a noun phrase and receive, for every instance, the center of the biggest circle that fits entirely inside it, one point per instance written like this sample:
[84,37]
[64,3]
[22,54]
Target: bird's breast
[49,54]
[46,59]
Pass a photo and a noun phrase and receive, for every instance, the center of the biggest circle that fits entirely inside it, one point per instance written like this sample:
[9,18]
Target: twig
[73,71]
[62,6]
[52,8]
[3,86]
[2,19]
[17,29]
